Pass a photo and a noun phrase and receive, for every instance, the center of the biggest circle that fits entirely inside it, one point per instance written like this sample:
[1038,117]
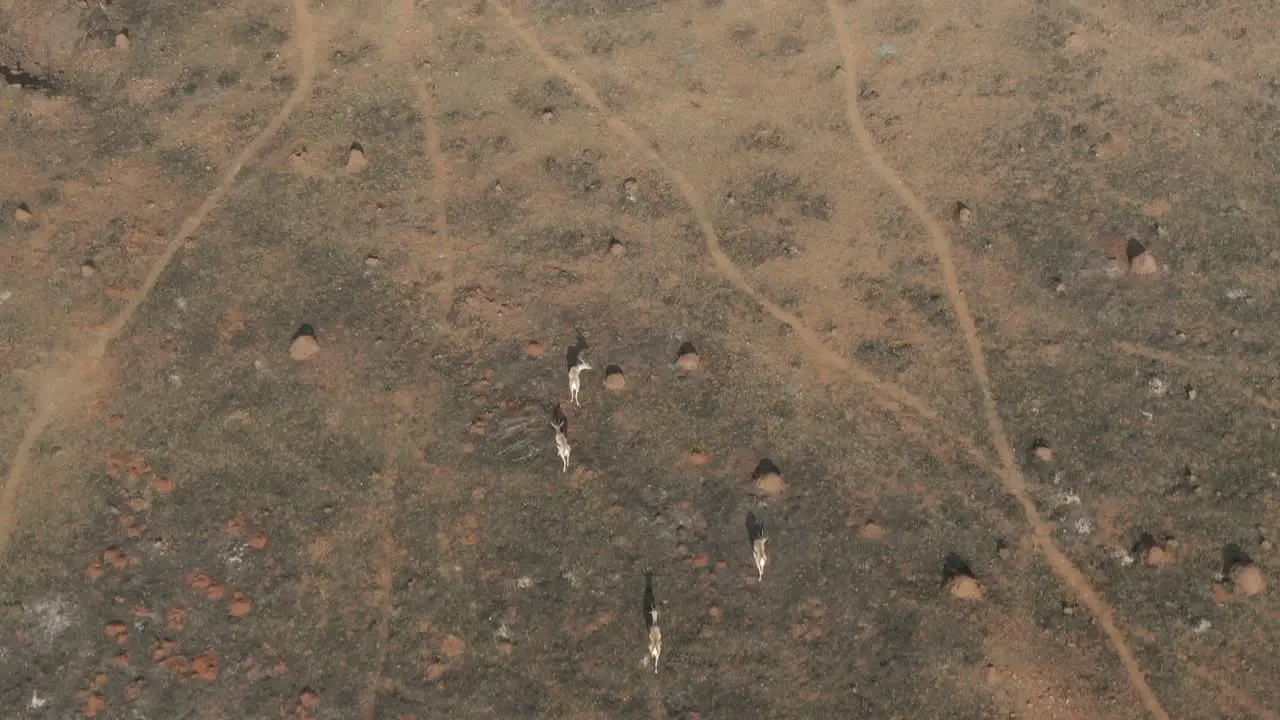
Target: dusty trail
[723,264]
[1011,476]
[62,385]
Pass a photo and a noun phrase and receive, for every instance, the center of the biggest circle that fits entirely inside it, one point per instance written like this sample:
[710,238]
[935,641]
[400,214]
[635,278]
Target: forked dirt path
[75,378]
[1015,484]
[1009,473]
[724,265]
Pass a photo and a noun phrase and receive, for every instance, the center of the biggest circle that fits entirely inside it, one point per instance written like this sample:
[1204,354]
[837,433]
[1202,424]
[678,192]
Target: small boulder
[1247,580]
[965,587]
[768,479]
[871,531]
[1144,264]
[1141,261]
[770,485]
[615,379]
[356,159]
[1156,555]
[304,345]
[687,359]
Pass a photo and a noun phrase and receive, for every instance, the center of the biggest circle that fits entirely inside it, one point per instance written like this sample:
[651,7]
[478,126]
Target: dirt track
[905,240]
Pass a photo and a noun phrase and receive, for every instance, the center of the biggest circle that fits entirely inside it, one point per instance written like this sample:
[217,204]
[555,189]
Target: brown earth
[290,291]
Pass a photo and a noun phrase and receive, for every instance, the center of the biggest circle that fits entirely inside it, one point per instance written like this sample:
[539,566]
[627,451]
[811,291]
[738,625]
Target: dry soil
[972,306]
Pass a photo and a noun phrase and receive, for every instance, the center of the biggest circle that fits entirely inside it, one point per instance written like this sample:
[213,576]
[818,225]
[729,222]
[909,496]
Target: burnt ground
[196,524]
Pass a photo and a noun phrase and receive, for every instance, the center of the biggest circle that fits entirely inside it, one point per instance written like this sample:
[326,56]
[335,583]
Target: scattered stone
[1158,386]
[356,159]
[176,617]
[436,670]
[115,557]
[309,700]
[299,160]
[533,349]
[631,187]
[1075,43]
[548,114]
[687,359]
[94,704]
[304,345]
[616,247]
[162,650]
[962,213]
[1247,580]
[258,541]
[1042,451]
[372,260]
[23,213]
[871,531]
[965,587]
[205,667]
[122,40]
[453,646]
[697,457]
[234,526]
[1191,393]
[239,606]
[615,379]
[88,268]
